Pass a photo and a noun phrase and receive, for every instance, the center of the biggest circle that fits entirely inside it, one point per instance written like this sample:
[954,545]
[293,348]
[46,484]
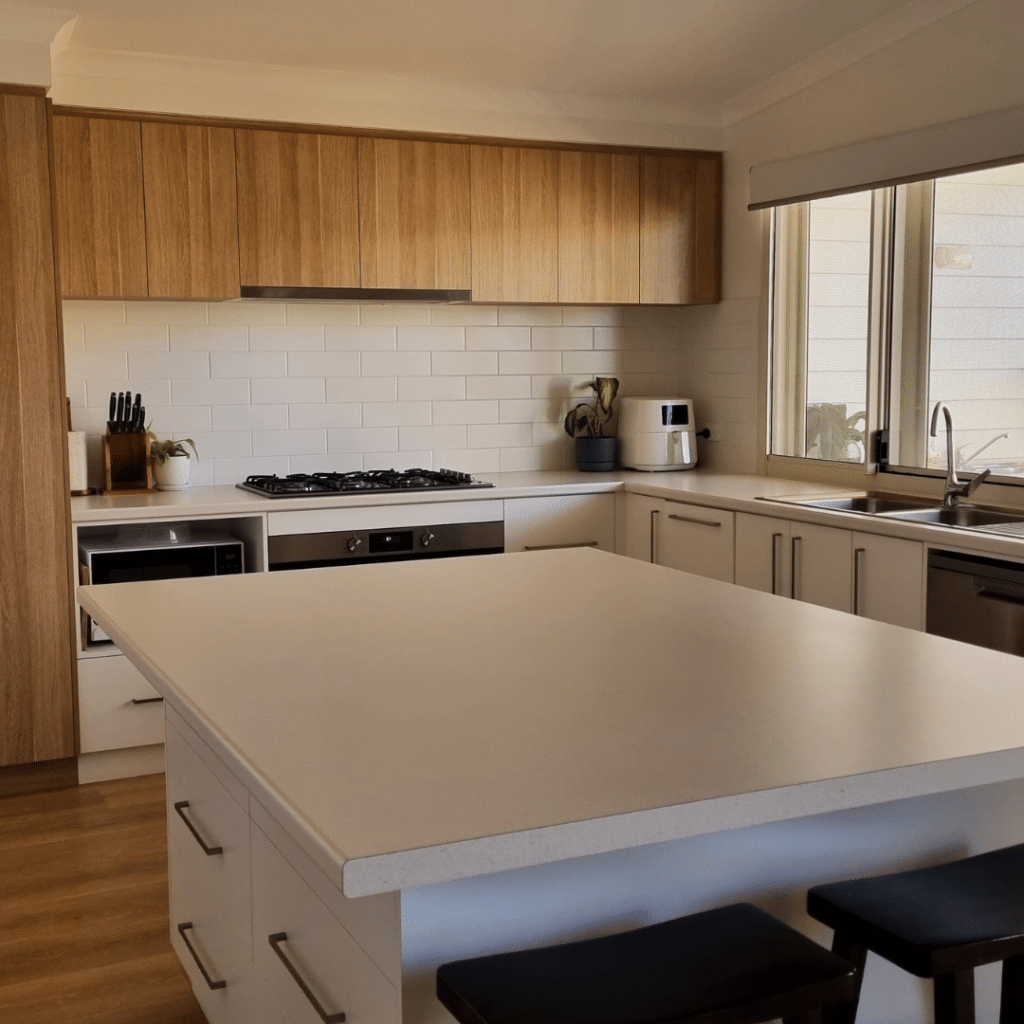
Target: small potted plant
[171,461]
[586,424]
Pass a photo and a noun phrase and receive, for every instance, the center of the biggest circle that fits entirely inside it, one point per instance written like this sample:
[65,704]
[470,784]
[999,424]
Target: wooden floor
[83,908]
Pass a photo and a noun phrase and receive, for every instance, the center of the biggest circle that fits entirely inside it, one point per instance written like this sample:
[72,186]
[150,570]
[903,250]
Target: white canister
[78,463]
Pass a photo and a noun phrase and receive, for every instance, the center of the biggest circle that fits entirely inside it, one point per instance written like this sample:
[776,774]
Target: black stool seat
[732,965]
[939,922]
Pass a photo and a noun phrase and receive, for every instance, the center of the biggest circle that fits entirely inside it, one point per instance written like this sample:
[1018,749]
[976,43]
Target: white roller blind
[984,140]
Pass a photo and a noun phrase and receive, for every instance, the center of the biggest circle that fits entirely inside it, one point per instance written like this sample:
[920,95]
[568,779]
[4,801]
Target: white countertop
[429,720]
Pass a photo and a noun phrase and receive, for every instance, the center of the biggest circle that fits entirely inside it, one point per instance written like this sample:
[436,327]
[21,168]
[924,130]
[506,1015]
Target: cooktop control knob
[426,538]
[354,543]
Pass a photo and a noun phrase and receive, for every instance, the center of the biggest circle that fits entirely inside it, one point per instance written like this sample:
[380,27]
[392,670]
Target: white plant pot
[172,474]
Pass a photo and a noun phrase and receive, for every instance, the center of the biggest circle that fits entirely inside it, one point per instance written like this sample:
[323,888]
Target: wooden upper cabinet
[414,211]
[37,664]
[191,223]
[100,218]
[298,216]
[680,229]
[514,224]
[598,227]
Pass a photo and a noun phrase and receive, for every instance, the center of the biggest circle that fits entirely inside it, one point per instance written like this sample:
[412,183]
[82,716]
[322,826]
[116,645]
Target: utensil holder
[126,465]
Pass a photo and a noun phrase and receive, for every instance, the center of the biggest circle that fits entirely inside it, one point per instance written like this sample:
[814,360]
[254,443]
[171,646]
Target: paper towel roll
[78,463]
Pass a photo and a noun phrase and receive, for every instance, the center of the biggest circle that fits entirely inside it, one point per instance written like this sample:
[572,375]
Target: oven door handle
[991,593]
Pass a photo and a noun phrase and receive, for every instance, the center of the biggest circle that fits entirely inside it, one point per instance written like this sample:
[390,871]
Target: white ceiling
[674,52]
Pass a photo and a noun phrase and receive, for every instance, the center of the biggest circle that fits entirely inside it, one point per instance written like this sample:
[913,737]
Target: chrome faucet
[955,489]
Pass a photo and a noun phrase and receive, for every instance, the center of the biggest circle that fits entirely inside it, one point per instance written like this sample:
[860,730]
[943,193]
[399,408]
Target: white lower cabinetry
[877,577]
[560,521]
[117,708]
[693,538]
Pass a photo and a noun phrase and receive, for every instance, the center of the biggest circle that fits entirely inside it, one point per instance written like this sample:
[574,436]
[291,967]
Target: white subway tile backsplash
[395,314]
[464,316]
[360,339]
[561,339]
[530,316]
[248,364]
[250,417]
[516,363]
[209,339]
[362,439]
[500,339]
[190,365]
[249,312]
[286,339]
[497,386]
[503,435]
[275,390]
[465,412]
[395,414]
[362,389]
[431,339]
[321,314]
[159,312]
[464,364]
[211,391]
[395,364]
[430,438]
[121,338]
[325,415]
[289,442]
[273,387]
[323,364]
[431,389]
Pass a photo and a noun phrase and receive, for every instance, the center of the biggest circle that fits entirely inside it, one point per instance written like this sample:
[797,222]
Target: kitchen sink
[871,504]
[967,517]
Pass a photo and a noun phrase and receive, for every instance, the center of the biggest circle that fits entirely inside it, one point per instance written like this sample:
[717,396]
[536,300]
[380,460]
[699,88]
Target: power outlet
[714,431]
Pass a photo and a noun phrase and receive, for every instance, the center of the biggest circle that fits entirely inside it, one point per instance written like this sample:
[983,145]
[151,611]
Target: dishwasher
[977,600]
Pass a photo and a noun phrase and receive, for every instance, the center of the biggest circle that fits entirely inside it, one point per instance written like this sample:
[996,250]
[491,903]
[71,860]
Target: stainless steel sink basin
[967,517]
[871,504]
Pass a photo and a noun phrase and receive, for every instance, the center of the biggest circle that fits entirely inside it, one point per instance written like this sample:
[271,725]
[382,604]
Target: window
[919,288]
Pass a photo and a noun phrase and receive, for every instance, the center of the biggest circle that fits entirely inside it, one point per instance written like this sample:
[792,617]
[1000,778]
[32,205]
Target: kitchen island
[536,746]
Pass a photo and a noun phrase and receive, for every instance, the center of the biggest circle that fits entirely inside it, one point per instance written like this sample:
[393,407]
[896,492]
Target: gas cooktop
[297,485]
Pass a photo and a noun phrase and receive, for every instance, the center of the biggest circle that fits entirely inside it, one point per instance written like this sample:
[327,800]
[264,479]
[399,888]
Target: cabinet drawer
[567,520]
[108,718]
[331,964]
[214,818]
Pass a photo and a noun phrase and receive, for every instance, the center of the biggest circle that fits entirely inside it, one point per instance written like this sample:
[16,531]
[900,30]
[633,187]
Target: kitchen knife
[135,424]
[113,411]
[126,419]
[120,412]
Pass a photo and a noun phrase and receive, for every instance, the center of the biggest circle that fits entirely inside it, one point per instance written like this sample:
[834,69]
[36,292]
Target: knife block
[126,465]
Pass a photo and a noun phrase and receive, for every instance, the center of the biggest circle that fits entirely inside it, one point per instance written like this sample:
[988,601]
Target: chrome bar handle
[275,944]
[146,700]
[687,519]
[795,551]
[210,851]
[182,928]
[776,538]
[559,547]
[654,535]
[858,560]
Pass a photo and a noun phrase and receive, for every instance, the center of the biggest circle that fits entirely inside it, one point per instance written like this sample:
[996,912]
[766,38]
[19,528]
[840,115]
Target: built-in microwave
[154,552]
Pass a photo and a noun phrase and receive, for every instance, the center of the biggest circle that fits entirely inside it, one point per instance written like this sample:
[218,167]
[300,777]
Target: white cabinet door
[889,579]
[762,554]
[560,521]
[116,706]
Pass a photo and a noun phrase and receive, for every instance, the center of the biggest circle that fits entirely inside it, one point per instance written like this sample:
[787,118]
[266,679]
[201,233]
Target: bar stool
[732,965]
[938,922]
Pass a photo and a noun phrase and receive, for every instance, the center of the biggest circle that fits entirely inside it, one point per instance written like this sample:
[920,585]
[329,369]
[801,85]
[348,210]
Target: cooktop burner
[311,484]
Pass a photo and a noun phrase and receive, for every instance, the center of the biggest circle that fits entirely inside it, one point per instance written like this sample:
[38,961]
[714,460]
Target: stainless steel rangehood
[259,291]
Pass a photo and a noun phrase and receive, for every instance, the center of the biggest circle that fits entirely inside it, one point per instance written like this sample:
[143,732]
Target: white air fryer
[657,434]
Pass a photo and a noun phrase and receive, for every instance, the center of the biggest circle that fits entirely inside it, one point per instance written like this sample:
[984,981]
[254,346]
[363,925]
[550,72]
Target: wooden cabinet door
[414,214]
[298,216]
[100,219]
[889,580]
[514,224]
[37,662]
[680,229]
[598,227]
[191,215]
